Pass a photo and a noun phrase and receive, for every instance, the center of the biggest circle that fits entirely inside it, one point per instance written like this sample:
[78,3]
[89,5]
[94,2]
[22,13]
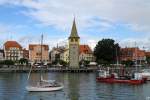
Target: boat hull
[43,89]
[113,80]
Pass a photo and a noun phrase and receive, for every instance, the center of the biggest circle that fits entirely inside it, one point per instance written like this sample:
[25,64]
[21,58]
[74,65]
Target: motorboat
[145,73]
[104,76]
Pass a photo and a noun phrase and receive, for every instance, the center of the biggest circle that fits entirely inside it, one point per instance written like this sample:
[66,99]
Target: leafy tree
[23,61]
[84,62]
[64,63]
[148,60]
[57,57]
[1,62]
[54,62]
[106,51]
[8,62]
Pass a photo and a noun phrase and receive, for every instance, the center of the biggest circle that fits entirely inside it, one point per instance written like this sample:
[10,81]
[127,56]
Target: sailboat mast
[117,57]
[41,60]
[41,47]
[136,56]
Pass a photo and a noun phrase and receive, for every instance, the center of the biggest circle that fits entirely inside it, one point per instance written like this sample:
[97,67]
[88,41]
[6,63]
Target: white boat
[146,73]
[43,85]
[42,89]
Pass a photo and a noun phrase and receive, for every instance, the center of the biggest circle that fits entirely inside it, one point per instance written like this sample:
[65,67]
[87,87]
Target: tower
[74,41]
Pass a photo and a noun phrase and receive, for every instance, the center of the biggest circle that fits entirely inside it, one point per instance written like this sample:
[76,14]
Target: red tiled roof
[85,49]
[10,44]
[31,46]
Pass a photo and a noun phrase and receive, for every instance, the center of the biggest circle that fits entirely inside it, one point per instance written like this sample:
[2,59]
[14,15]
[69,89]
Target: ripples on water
[81,86]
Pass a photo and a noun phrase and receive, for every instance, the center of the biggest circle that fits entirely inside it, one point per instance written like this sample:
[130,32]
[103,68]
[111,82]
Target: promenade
[119,70]
[45,69]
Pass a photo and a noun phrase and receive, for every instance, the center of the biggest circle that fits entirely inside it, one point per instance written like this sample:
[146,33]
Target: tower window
[71,40]
[76,39]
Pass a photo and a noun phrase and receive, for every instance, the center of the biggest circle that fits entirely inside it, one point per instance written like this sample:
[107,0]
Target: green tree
[23,61]
[84,62]
[106,51]
[148,60]
[64,63]
[8,62]
[54,62]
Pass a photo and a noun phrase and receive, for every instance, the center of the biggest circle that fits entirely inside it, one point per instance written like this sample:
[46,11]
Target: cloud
[89,14]
[10,32]
[132,42]
[135,12]
[59,13]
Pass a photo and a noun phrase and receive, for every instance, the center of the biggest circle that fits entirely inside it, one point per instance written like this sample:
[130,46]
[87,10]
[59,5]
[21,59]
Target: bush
[8,62]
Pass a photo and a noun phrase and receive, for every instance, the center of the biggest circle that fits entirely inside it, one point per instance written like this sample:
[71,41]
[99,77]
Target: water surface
[77,86]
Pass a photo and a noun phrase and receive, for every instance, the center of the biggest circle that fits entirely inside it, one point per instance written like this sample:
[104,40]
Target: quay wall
[26,69]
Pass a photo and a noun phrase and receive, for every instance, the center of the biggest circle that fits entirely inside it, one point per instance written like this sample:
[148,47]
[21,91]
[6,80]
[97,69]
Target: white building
[55,53]
[86,53]
[65,55]
[13,50]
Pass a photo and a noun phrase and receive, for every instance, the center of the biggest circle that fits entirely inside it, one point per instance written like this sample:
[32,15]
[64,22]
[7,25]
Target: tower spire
[74,33]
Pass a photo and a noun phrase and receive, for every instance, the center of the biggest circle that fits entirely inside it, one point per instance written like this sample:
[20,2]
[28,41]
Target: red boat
[113,78]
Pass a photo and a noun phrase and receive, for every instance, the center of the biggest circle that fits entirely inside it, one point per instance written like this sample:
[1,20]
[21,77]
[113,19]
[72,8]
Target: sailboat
[43,85]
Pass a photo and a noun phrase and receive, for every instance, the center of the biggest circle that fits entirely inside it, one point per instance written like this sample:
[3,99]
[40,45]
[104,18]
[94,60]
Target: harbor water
[77,86]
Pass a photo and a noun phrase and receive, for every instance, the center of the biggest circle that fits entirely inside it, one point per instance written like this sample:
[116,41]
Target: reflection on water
[73,85]
[76,87]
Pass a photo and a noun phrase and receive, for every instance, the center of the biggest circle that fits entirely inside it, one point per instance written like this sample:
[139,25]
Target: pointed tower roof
[74,32]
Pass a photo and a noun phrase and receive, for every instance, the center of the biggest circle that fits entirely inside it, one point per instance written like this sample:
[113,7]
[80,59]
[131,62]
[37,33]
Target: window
[38,54]
[71,40]
[76,39]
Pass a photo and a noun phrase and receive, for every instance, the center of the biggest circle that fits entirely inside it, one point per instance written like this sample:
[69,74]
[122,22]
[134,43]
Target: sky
[125,21]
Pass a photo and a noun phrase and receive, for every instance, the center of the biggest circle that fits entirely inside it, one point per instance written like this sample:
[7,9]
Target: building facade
[133,54]
[55,53]
[86,53]
[26,54]
[13,50]
[74,42]
[35,54]
[65,55]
